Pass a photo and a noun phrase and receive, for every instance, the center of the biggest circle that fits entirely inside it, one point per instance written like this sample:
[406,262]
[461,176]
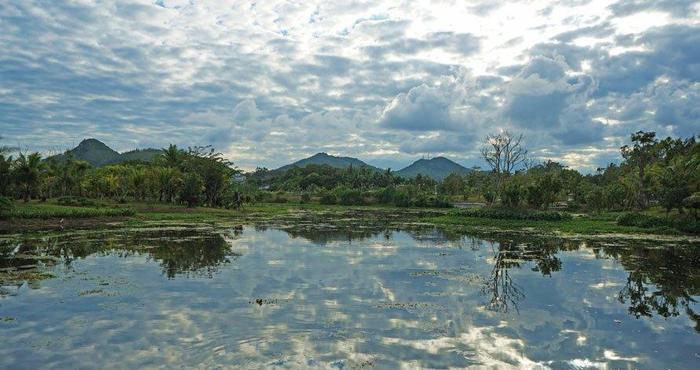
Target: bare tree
[504,152]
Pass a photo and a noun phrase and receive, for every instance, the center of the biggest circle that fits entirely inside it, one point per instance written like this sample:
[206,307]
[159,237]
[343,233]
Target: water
[348,298]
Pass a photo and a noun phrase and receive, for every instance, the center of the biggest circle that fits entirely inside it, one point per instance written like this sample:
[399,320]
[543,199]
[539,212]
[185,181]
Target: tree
[192,188]
[27,173]
[503,152]
[543,191]
[172,156]
[640,155]
[5,168]
[512,194]
[453,184]
[214,170]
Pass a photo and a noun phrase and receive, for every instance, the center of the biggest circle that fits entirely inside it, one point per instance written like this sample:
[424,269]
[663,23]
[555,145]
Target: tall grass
[42,211]
[515,214]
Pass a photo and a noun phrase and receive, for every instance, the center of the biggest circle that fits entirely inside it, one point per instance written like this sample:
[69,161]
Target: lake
[345,298]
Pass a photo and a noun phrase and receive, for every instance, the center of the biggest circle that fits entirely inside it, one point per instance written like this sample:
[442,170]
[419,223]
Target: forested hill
[327,159]
[99,154]
[436,168]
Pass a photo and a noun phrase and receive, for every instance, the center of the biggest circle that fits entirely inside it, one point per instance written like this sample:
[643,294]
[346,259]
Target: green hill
[333,161]
[99,154]
[143,155]
[437,168]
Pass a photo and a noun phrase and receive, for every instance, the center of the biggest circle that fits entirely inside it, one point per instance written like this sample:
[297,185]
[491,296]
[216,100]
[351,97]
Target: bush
[75,201]
[512,195]
[682,223]
[305,198]
[5,204]
[513,214]
[279,199]
[349,197]
[402,198]
[386,195]
[328,198]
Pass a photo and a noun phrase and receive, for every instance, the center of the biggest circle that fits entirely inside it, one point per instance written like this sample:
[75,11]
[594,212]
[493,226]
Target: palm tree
[27,173]
[172,156]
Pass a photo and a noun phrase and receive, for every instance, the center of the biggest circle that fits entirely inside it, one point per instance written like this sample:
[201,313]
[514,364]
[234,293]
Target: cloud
[679,8]
[542,91]
[422,108]
[271,82]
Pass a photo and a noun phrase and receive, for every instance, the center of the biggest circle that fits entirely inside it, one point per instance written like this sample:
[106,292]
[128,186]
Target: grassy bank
[35,210]
[38,215]
[584,225]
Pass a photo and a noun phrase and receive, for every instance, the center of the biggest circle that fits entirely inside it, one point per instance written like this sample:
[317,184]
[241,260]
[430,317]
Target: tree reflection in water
[187,252]
[502,291]
[500,288]
[660,280]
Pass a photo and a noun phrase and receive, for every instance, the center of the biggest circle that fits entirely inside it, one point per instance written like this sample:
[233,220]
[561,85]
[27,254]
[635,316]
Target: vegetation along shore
[653,190]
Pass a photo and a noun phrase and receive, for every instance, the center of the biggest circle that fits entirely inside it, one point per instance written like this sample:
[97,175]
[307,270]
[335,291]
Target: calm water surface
[267,298]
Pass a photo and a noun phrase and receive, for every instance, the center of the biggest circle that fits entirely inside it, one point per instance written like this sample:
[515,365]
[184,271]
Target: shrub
[305,198]
[386,195]
[5,204]
[682,223]
[75,201]
[349,197]
[512,195]
[402,198]
[513,214]
[328,198]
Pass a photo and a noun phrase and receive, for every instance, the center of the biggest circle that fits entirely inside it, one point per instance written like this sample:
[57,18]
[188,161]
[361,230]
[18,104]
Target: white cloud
[322,75]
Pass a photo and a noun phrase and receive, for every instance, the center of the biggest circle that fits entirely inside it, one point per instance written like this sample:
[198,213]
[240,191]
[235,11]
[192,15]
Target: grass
[35,210]
[584,225]
[136,213]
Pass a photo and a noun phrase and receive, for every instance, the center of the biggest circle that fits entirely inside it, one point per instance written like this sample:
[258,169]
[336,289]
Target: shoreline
[152,215]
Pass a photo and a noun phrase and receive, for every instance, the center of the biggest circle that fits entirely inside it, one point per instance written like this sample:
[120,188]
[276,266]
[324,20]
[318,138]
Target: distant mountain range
[437,168]
[99,154]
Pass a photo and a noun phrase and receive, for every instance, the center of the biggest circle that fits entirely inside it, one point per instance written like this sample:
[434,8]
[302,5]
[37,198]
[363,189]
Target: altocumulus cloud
[269,82]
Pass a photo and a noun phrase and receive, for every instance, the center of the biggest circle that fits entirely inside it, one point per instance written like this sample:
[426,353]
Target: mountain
[99,154]
[144,155]
[438,168]
[331,160]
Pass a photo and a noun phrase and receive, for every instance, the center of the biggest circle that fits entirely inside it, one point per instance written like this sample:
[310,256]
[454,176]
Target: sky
[389,82]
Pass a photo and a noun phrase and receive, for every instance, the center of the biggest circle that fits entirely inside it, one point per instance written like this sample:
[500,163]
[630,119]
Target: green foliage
[512,194]
[192,187]
[5,204]
[682,223]
[349,197]
[543,191]
[512,214]
[328,198]
[453,184]
[280,197]
[44,211]
[75,201]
